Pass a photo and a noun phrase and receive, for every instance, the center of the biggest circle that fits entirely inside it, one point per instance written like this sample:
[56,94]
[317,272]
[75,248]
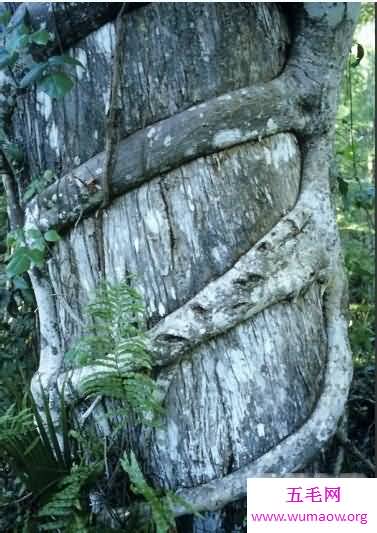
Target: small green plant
[25,250]
[50,461]
[21,40]
[65,511]
[116,344]
[157,510]
[32,447]
[60,462]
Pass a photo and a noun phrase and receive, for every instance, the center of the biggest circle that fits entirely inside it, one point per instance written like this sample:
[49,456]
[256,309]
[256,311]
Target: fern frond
[32,447]
[12,423]
[160,508]
[116,343]
[64,510]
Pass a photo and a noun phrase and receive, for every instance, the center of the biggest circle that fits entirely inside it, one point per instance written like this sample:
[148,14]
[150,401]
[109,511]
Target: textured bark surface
[176,56]
[170,231]
[224,217]
[238,396]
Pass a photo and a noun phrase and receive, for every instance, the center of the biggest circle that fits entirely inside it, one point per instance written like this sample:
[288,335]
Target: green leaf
[23,28]
[48,176]
[41,37]
[162,514]
[56,85]
[20,262]
[34,74]
[5,17]
[37,257]
[52,236]
[34,233]
[38,241]
[61,511]
[15,236]
[65,60]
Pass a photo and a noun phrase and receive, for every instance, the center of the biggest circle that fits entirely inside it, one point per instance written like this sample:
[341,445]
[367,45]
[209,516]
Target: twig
[113,114]
[19,500]
[90,409]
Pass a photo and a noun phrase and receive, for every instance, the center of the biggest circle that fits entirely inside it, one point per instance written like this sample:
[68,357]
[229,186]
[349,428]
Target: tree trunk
[221,208]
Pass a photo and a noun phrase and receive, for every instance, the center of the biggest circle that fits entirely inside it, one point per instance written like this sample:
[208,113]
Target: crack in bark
[294,451]
[170,222]
[219,307]
[301,249]
[113,115]
[287,103]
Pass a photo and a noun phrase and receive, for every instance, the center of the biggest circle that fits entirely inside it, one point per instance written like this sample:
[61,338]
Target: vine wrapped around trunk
[220,204]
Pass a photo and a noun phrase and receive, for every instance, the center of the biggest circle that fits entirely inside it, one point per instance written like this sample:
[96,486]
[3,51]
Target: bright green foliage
[155,513]
[28,249]
[117,344]
[367,13]
[20,41]
[57,84]
[50,463]
[355,169]
[57,475]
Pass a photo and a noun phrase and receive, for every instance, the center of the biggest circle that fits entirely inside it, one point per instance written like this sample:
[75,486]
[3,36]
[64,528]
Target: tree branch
[301,100]
[201,130]
[297,449]
[281,266]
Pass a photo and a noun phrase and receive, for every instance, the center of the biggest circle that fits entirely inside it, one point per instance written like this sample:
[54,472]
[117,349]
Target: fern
[33,449]
[157,514]
[47,468]
[64,510]
[116,343]
[160,508]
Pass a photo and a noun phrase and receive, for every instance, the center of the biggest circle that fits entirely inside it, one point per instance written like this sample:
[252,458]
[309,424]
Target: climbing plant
[20,57]
[114,340]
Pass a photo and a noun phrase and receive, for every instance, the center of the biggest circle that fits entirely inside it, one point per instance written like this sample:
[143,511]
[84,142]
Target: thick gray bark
[222,210]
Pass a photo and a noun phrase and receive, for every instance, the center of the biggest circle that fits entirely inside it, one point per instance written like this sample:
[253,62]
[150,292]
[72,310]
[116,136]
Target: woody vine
[302,249]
